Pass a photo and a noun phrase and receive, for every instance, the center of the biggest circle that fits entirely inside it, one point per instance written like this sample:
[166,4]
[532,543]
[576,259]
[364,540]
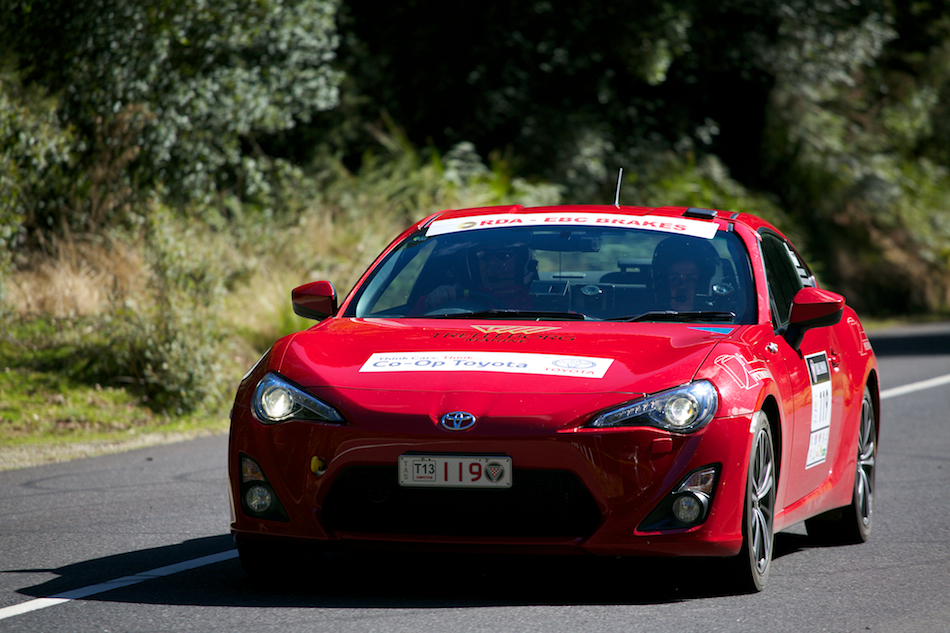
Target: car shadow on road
[929,340]
[401,580]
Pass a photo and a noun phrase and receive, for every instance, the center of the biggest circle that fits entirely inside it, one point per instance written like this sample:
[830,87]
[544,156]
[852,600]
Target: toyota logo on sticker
[457,421]
[574,363]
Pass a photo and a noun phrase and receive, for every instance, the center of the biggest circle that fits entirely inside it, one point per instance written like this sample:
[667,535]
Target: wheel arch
[771,408]
[874,387]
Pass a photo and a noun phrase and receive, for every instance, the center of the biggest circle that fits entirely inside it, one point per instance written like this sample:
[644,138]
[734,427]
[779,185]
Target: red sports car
[576,379]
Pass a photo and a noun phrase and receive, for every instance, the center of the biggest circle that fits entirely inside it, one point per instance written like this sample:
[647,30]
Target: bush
[170,357]
[169,346]
[34,151]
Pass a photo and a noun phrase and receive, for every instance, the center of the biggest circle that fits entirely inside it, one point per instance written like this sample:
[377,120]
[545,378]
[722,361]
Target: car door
[815,384]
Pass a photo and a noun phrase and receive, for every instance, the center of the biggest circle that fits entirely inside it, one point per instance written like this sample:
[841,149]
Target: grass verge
[52,410]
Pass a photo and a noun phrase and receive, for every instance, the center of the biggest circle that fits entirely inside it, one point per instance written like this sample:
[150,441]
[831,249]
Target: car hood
[556,370]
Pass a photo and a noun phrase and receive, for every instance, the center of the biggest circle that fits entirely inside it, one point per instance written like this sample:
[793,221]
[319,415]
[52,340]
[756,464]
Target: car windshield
[550,272]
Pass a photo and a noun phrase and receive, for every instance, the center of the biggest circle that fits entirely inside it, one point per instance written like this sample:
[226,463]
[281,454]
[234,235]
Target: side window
[785,274]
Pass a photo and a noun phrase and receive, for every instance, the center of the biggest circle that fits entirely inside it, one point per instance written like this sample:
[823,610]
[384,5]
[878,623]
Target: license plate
[449,471]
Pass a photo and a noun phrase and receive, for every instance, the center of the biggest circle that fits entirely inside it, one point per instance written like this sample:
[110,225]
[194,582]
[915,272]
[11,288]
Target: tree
[571,87]
[856,146]
[835,109]
[35,154]
[171,95]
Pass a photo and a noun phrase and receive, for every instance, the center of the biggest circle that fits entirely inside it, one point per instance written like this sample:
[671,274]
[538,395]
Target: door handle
[834,359]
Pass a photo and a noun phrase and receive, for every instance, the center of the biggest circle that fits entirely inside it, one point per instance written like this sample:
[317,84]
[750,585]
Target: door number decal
[820,375]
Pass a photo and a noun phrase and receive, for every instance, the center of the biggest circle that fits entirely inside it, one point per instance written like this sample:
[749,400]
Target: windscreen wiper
[498,313]
[674,316]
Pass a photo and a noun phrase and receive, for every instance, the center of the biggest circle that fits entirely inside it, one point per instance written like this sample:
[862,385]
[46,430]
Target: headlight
[276,399]
[684,409]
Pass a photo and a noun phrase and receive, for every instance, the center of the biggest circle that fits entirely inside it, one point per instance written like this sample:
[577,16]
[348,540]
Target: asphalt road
[139,542]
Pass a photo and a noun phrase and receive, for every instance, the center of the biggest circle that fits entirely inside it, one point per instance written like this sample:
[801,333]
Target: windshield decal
[679,226]
[503,337]
[497,362]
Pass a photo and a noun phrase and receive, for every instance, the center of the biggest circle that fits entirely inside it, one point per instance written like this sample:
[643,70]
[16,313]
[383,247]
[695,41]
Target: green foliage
[706,183]
[171,358]
[172,349]
[406,183]
[854,148]
[172,95]
[167,346]
[925,207]
[51,409]
[540,78]
[39,395]
[34,157]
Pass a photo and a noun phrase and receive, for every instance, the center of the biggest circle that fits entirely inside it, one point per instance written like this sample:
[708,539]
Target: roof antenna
[619,180]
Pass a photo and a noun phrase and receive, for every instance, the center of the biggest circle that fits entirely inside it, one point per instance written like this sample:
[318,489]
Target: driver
[501,275]
[683,268]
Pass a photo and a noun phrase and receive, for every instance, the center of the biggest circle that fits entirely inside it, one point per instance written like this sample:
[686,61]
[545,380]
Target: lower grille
[540,503]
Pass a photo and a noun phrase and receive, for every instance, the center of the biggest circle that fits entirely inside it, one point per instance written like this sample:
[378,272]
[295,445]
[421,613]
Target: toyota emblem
[574,363]
[457,421]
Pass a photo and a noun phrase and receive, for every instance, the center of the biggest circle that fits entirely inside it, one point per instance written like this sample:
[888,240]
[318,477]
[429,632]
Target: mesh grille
[540,503]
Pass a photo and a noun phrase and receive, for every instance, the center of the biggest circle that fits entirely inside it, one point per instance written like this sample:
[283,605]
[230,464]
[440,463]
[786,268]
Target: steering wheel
[473,302]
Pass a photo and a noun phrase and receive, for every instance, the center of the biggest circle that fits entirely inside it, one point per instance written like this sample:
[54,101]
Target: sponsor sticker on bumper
[499,362]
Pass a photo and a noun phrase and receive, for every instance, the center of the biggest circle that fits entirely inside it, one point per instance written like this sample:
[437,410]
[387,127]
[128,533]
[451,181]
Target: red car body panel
[540,421]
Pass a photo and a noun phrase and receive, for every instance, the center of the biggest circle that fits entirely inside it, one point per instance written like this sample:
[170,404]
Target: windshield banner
[679,226]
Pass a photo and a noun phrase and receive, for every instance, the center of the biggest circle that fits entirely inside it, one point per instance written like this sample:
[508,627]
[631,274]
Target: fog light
[687,505]
[258,498]
[688,508]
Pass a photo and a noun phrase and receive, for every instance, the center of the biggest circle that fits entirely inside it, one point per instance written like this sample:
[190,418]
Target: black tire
[852,524]
[750,569]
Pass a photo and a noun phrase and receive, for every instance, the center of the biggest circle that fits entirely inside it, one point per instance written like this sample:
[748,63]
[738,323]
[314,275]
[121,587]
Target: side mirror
[316,300]
[812,308]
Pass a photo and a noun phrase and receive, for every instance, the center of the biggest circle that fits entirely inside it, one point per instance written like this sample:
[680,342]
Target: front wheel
[751,567]
[852,524]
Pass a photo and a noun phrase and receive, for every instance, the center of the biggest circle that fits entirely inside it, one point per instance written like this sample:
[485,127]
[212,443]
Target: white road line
[109,585]
[916,386]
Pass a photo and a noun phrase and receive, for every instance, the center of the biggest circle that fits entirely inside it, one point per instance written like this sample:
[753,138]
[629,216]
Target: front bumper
[573,492]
